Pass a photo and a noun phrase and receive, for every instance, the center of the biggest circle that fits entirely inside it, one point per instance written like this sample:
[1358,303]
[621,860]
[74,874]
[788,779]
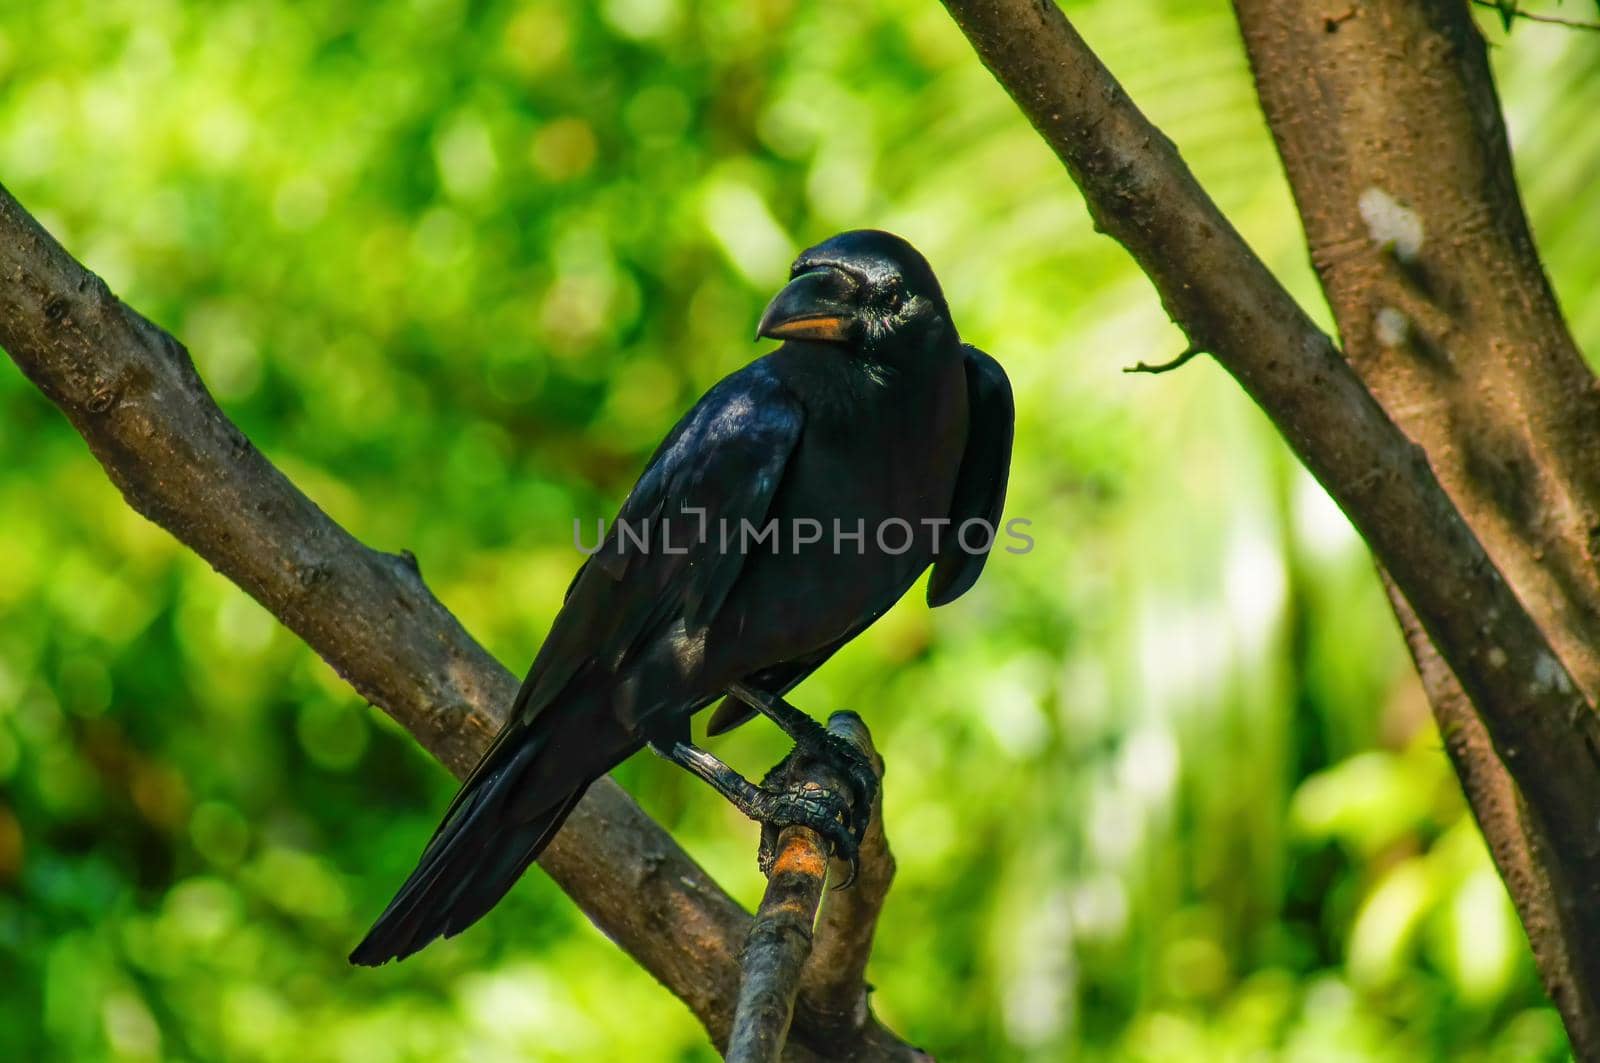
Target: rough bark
[132,392]
[791,950]
[1514,838]
[1390,130]
[1542,726]
[833,1002]
[778,946]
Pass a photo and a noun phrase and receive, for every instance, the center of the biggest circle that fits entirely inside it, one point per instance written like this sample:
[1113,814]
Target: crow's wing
[980,492]
[723,462]
[663,559]
[981,484]
[784,676]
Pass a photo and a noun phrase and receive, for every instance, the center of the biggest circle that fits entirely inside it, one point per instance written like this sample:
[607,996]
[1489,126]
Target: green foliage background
[1162,789]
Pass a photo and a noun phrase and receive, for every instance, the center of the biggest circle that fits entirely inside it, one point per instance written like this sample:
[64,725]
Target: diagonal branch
[778,946]
[1140,193]
[1513,839]
[833,986]
[790,950]
[132,392]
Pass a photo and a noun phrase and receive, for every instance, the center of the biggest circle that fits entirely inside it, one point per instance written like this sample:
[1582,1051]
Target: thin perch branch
[776,954]
[777,948]
[834,992]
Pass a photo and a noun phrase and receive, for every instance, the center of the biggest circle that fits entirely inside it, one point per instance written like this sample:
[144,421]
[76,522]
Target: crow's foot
[820,745]
[816,745]
[785,798]
[848,763]
[804,805]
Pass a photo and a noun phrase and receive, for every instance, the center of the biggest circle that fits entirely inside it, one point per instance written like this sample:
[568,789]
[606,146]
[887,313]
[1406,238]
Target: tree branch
[1140,192]
[833,986]
[1420,241]
[1510,11]
[778,945]
[132,392]
[789,949]
[1183,358]
[1512,836]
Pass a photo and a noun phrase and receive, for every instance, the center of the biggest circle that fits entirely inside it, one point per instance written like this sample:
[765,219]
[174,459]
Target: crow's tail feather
[480,850]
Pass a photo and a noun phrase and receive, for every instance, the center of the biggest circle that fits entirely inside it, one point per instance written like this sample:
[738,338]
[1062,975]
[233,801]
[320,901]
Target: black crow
[788,510]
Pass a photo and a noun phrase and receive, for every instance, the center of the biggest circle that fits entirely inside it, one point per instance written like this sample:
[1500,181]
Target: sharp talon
[845,844]
[849,880]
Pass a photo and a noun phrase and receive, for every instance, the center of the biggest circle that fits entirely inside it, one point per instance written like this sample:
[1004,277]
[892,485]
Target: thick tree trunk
[1390,130]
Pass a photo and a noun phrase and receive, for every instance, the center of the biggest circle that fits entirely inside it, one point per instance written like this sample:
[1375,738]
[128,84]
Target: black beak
[810,307]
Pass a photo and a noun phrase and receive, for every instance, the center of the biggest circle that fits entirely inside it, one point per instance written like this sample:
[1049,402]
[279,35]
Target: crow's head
[864,289]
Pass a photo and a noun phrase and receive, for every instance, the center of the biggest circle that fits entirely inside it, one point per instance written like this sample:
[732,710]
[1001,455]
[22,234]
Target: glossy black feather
[981,485]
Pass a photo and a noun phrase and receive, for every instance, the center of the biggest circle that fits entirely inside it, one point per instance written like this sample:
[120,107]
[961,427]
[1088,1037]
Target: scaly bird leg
[814,740]
[774,807]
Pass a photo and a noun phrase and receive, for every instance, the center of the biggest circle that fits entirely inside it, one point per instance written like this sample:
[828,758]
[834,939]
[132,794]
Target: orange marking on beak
[824,327]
